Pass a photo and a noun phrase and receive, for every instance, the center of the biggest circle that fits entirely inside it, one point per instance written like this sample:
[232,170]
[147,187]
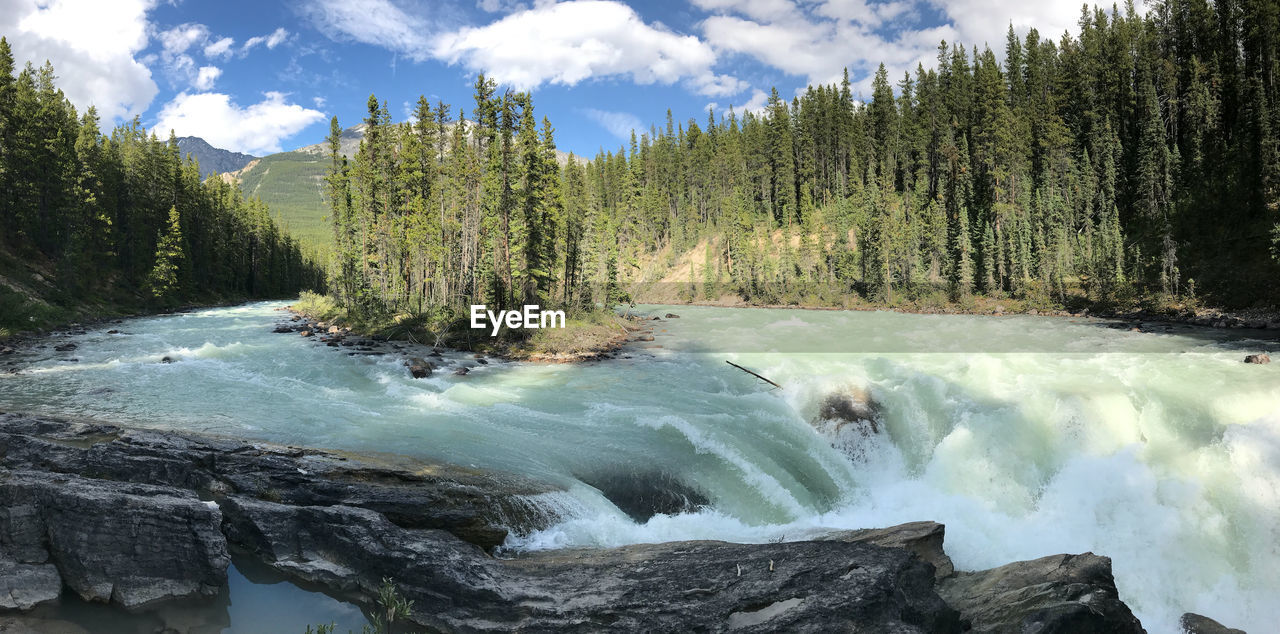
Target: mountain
[212,159]
[292,184]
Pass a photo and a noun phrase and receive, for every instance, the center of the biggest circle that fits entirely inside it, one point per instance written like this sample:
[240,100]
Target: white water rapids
[1026,436]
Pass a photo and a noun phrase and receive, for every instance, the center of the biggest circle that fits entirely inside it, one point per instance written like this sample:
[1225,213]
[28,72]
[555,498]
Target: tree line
[1135,160]
[123,216]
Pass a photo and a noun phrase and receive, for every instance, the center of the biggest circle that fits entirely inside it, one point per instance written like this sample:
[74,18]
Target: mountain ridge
[212,159]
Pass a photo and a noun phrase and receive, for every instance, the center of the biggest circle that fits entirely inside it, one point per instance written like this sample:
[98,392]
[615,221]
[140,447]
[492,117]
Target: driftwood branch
[752,373]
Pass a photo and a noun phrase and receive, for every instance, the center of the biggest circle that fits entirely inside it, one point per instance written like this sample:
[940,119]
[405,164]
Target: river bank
[1256,319]
[345,521]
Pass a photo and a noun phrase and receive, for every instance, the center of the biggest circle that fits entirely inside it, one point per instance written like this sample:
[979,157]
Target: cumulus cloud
[817,39]
[558,43]
[255,129]
[619,124]
[93,46]
[206,76]
[569,42]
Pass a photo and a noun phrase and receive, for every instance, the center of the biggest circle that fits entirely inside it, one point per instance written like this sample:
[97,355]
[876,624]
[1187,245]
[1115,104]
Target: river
[1026,436]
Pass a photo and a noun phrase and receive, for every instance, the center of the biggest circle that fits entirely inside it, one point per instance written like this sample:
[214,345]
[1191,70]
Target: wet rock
[420,371]
[672,316]
[166,360]
[345,522]
[66,347]
[477,507]
[282,329]
[1261,358]
[681,586]
[482,361]
[113,332]
[462,371]
[307,333]
[851,406]
[925,539]
[24,586]
[124,543]
[1058,594]
[641,494]
[1192,623]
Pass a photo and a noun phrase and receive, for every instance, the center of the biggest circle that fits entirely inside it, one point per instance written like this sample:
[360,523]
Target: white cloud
[220,48]
[619,124]
[558,43]
[755,9]
[206,76]
[271,40]
[980,22]
[214,117]
[569,42]
[93,46]
[377,22]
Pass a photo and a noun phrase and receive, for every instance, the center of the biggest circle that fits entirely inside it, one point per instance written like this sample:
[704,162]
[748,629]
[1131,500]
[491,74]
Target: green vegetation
[1136,163]
[290,184]
[391,608]
[94,225]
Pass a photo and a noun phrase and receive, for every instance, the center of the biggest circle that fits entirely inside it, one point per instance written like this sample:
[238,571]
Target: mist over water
[1026,436]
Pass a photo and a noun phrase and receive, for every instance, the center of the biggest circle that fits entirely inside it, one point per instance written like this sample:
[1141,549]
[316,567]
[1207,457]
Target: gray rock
[1059,594]
[1192,623]
[925,539]
[123,543]
[682,586]
[851,406]
[476,506]
[24,586]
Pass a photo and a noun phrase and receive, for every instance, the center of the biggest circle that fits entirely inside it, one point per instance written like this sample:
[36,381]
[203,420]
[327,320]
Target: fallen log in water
[752,373]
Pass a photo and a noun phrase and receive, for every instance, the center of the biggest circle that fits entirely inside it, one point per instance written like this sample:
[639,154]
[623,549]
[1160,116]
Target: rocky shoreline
[139,518]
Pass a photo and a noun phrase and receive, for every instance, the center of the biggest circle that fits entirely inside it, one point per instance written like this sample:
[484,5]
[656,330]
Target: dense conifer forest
[1137,160]
[121,218]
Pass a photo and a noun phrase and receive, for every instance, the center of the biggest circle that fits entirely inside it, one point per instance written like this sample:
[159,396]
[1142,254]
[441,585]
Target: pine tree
[162,282]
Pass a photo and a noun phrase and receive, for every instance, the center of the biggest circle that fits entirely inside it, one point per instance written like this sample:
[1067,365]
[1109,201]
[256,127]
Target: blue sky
[265,76]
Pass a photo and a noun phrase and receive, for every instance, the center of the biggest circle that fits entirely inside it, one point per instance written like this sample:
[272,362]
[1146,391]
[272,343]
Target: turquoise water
[1027,436]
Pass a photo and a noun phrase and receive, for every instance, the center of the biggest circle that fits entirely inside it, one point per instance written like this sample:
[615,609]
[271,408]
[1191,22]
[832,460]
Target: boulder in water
[419,368]
[672,316]
[853,405]
[1058,594]
[124,543]
[66,347]
[307,333]
[1192,623]
[641,494]
[461,371]
[283,329]
[1260,358]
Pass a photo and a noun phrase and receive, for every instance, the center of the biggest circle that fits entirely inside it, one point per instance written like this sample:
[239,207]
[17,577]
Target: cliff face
[138,517]
[212,159]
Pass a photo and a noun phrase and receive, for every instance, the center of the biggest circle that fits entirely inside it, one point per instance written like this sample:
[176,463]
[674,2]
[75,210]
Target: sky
[264,76]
